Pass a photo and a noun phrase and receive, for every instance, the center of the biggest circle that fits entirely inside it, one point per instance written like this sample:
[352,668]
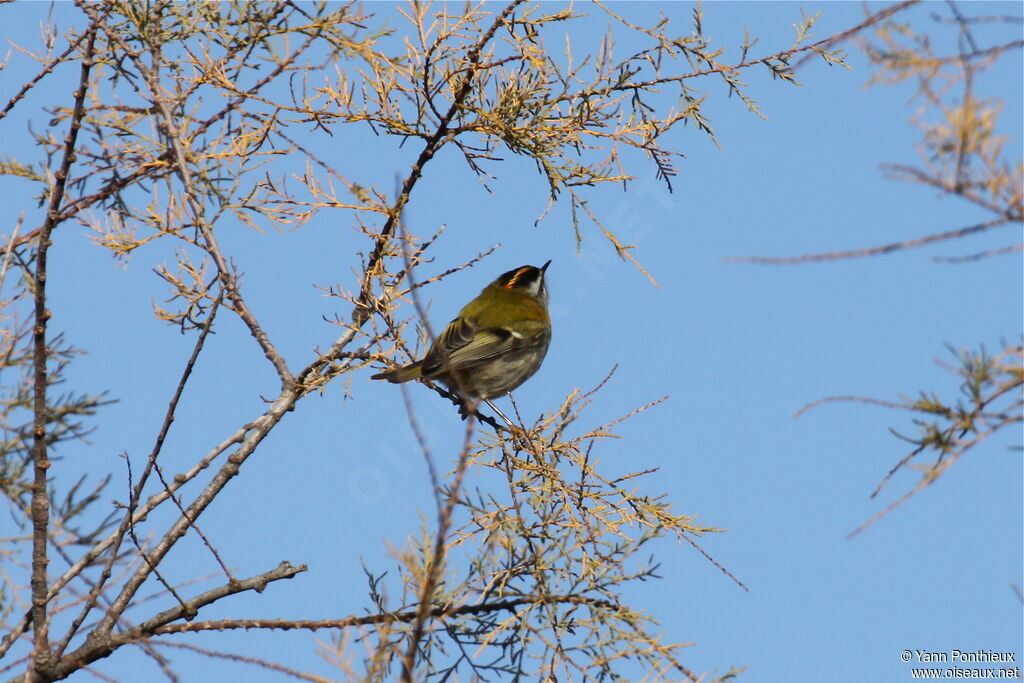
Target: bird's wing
[465,345]
[486,344]
[456,335]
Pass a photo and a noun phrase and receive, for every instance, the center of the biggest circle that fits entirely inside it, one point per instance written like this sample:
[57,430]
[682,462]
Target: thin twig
[142,553]
[850,399]
[256,661]
[871,251]
[50,66]
[9,251]
[814,49]
[967,258]
[846,35]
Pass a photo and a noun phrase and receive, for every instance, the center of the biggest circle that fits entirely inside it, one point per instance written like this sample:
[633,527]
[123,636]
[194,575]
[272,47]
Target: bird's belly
[498,376]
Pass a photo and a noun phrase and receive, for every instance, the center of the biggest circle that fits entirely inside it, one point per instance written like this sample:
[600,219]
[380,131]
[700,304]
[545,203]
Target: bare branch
[103,644]
[988,253]
[407,616]
[871,251]
[40,495]
[47,69]
[870,21]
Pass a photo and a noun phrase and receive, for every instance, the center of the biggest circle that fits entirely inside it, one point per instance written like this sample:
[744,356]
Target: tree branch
[41,413]
[363,306]
[179,160]
[406,616]
[101,645]
[136,496]
[871,251]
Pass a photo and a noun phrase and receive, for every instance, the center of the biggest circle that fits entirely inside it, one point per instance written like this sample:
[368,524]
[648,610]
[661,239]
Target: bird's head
[526,279]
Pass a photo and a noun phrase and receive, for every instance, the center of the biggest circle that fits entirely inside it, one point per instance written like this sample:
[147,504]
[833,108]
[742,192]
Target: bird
[497,341]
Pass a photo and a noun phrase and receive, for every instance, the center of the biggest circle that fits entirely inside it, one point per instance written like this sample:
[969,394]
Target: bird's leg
[520,439]
[501,414]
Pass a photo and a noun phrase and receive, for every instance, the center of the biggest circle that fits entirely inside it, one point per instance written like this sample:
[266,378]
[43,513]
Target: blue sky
[738,348]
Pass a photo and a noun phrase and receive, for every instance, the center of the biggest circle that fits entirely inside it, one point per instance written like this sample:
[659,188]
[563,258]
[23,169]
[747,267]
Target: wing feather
[465,345]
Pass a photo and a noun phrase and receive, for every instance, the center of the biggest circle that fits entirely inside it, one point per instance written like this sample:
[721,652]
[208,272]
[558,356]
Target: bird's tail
[399,375]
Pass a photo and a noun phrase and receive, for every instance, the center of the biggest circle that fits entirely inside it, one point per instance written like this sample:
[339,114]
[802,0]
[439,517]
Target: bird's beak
[545,266]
